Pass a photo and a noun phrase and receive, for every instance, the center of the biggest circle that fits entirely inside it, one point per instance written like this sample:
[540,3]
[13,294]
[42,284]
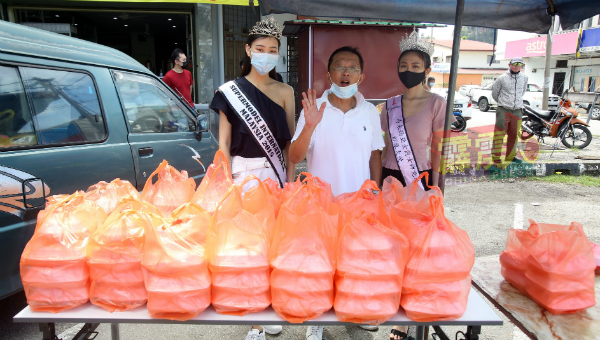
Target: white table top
[478,313]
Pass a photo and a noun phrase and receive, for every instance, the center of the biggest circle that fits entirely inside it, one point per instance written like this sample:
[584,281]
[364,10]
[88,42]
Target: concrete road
[485,210]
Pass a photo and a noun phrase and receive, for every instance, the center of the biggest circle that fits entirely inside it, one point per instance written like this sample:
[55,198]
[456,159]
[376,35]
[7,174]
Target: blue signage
[590,40]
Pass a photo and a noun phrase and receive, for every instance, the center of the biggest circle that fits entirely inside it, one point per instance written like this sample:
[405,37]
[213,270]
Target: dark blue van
[73,113]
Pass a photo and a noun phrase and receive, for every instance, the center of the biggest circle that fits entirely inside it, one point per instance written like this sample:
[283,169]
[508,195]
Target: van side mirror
[202,123]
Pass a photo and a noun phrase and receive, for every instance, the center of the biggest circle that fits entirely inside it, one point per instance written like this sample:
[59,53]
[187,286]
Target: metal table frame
[478,314]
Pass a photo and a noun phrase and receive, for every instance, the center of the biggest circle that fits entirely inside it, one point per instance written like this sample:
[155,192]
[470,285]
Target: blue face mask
[264,62]
[343,92]
[431,84]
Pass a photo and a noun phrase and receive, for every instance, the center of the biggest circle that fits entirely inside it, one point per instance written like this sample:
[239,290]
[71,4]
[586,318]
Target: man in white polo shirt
[340,132]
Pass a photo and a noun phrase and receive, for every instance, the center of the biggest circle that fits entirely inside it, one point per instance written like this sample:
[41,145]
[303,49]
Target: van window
[65,104]
[15,116]
[149,106]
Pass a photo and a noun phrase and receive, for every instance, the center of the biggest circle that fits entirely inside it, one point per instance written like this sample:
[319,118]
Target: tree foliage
[482,34]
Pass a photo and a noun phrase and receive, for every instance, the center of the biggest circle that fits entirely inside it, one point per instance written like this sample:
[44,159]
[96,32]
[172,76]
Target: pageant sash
[407,162]
[248,114]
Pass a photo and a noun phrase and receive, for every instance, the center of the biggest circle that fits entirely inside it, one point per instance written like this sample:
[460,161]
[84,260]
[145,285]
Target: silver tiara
[268,27]
[412,42]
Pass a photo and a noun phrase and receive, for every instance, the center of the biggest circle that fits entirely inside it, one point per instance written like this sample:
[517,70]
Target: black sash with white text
[407,162]
[248,114]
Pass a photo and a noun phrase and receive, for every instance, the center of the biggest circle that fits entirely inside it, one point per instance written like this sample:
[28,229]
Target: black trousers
[397,174]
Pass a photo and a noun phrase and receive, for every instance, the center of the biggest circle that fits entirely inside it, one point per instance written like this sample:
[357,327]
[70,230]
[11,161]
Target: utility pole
[547,83]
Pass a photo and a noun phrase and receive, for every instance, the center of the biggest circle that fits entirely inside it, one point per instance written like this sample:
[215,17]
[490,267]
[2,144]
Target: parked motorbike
[562,124]
[460,124]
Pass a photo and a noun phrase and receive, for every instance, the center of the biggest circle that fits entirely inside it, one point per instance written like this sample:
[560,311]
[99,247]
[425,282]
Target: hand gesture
[312,114]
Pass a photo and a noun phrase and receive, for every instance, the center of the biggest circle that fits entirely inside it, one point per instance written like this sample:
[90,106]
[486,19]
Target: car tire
[596,113]
[483,104]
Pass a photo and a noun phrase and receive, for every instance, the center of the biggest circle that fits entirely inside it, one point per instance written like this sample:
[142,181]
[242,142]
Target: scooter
[460,124]
[562,124]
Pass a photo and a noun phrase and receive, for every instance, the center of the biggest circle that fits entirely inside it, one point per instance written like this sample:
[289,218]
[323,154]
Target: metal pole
[114,331]
[421,330]
[460,7]
[547,68]
[221,44]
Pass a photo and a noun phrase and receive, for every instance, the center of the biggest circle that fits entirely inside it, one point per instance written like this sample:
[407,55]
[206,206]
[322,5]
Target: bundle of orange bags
[108,195]
[214,185]
[303,252]
[114,255]
[53,268]
[437,277]
[175,270]
[552,264]
[171,190]
[237,248]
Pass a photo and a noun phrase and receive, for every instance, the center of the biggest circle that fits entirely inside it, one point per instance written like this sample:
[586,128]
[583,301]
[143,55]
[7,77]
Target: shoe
[369,327]
[314,333]
[272,329]
[255,334]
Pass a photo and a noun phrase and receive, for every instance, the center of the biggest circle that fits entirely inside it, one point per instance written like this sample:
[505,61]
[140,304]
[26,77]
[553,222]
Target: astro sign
[536,47]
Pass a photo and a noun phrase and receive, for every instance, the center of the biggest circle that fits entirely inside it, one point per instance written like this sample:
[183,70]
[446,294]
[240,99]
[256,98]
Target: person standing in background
[429,84]
[180,79]
[508,91]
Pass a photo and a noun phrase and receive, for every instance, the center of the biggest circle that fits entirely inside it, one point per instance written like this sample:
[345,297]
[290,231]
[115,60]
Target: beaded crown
[268,27]
[412,42]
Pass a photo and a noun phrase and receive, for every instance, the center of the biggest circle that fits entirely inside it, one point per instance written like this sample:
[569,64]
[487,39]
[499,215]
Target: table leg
[473,332]
[114,331]
[420,333]
[48,331]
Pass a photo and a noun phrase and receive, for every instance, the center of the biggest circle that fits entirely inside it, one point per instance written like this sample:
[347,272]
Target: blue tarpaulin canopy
[520,15]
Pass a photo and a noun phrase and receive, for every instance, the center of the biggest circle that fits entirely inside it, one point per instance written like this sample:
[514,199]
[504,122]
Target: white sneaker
[314,333]
[255,334]
[272,329]
[369,327]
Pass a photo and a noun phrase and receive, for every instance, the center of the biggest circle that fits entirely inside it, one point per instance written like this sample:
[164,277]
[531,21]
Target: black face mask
[511,71]
[185,64]
[411,79]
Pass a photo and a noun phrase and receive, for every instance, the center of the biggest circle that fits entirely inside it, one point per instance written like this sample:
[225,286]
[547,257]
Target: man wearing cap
[508,91]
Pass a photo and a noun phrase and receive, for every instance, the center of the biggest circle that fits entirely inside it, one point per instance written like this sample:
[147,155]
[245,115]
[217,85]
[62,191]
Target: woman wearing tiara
[257,120]
[250,146]
[409,120]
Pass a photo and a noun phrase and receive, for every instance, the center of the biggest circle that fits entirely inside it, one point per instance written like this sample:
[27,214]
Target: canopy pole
[460,8]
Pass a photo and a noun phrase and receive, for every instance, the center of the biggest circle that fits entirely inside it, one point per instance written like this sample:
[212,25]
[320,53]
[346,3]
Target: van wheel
[484,106]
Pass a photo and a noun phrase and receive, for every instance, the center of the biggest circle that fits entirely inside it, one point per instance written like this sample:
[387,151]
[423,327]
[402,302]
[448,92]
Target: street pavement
[486,210]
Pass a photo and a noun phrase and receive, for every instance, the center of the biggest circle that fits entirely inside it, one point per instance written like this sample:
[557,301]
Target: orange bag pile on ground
[108,195]
[237,249]
[114,255]
[215,184]
[260,201]
[370,265]
[172,189]
[175,272]
[552,264]
[303,252]
[367,199]
[193,222]
[53,269]
[437,277]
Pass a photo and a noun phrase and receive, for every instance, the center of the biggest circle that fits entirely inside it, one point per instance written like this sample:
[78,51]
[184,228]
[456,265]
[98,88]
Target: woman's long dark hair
[247,65]
[424,56]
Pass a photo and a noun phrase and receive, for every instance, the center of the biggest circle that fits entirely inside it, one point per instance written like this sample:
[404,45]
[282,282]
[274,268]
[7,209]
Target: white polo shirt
[341,145]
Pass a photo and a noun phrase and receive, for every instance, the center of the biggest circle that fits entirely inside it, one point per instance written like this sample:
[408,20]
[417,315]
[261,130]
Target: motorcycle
[460,124]
[561,123]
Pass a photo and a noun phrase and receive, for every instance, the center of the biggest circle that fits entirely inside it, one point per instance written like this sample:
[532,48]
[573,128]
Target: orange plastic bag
[193,221]
[370,264]
[53,269]
[175,272]
[367,199]
[215,184]
[172,189]
[134,203]
[260,202]
[437,277]
[556,265]
[303,252]
[114,256]
[596,250]
[108,195]
[237,249]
